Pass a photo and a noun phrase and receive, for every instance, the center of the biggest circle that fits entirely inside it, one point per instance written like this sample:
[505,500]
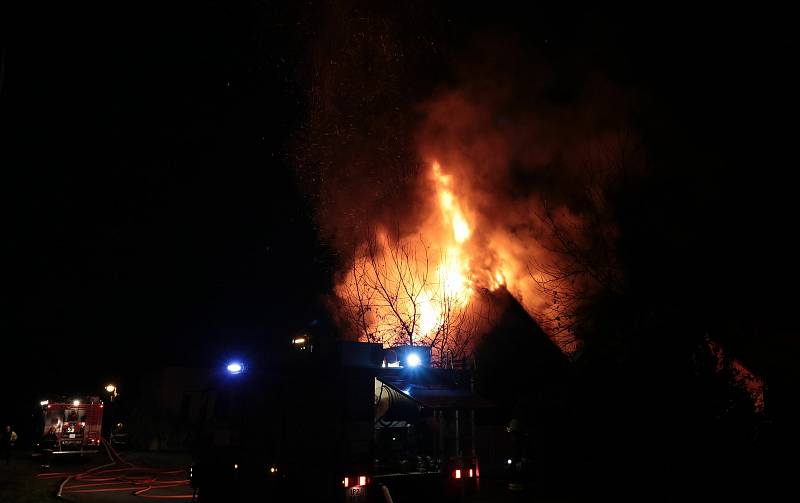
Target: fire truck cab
[349,422]
[73,425]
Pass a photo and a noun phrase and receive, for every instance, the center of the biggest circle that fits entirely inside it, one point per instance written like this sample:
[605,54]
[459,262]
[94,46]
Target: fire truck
[349,422]
[72,426]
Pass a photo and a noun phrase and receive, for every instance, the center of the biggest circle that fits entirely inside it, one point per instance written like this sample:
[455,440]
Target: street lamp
[112,391]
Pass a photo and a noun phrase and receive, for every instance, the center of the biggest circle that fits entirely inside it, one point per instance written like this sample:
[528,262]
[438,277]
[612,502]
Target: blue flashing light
[413,360]
[235,368]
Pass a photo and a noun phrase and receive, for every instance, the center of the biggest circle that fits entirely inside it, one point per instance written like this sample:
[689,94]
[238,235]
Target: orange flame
[413,290]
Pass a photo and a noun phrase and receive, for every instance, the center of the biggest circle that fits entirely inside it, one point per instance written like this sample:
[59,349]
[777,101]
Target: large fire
[420,289]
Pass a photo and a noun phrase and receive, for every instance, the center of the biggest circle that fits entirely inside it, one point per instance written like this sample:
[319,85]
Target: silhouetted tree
[394,295]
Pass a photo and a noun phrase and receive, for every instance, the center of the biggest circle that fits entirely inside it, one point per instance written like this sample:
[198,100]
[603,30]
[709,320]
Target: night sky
[153,213]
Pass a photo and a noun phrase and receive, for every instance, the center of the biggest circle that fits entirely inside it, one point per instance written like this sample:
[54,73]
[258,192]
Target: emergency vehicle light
[458,474]
[346,482]
[411,357]
[76,402]
[362,480]
[235,368]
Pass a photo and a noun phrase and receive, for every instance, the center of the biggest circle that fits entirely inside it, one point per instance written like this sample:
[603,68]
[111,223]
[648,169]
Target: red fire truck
[348,422]
[74,423]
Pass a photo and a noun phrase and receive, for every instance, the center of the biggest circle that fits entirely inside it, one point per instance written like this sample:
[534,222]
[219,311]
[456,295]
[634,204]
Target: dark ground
[20,481]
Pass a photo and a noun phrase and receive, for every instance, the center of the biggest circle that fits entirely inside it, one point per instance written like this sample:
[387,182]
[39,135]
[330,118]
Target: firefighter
[519,462]
[8,440]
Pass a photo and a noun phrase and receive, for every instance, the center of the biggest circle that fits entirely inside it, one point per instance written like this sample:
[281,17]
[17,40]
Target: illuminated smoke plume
[433,202]
[533,184]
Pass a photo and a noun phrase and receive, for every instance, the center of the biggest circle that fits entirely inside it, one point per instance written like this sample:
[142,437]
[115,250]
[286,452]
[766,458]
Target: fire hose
[120,475]
[387,497]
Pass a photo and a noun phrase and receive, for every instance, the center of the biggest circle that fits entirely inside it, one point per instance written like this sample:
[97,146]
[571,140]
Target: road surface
[25,481]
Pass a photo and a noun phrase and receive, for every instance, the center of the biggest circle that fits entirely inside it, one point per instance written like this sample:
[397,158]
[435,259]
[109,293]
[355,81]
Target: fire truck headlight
[235,368]
[413,360]
[76,402]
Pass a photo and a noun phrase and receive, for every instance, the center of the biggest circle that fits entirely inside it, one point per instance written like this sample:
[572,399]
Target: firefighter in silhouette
[518,462]
[8,440]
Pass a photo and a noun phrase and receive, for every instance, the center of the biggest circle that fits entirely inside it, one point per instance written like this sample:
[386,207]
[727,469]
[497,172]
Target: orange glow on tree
[418,289]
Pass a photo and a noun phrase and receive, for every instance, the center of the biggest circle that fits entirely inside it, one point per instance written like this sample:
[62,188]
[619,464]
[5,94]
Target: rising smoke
[530,154]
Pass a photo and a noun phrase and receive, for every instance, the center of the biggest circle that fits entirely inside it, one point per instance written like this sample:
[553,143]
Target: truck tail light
[361,481]
[470,473]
